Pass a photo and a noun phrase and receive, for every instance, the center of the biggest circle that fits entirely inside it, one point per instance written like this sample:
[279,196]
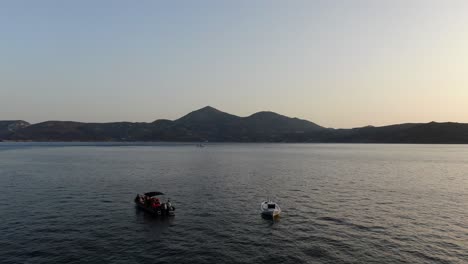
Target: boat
[270,209]
[150,203]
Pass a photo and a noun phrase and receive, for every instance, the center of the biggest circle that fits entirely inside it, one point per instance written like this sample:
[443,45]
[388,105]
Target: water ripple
[341,204]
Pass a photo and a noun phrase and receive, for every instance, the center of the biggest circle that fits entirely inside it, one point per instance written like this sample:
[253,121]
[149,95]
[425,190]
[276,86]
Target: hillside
[7,128]
[210,124]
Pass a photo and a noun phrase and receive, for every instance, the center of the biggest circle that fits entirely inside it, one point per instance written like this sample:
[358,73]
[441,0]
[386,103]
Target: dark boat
[150,203]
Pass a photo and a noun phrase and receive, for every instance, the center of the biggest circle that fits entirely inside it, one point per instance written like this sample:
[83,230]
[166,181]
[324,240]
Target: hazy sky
[342,63]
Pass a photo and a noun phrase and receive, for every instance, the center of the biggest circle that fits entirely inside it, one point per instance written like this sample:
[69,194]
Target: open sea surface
[342,203]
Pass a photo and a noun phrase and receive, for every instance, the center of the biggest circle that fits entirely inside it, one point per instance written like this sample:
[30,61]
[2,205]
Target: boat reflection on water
[275,218]
[152,223]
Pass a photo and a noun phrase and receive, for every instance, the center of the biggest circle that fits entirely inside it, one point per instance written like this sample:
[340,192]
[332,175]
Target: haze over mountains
[210,124]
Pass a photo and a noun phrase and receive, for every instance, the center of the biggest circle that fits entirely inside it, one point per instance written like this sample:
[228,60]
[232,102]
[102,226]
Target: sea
[341,203]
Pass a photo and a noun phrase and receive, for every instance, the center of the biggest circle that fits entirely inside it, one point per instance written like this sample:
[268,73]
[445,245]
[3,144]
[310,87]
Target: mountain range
[210,124]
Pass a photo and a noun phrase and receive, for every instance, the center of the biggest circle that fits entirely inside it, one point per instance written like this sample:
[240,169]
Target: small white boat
[270,208]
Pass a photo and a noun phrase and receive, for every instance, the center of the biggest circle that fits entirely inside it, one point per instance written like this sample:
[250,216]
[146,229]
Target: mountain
[434,132]
[430,133]
[210,124]
[207,124]
[206,116]
[269,122]
[76,131]
[369,134]
[7,128]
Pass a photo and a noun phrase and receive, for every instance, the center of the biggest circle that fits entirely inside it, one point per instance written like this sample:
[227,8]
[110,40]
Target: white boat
[270,208]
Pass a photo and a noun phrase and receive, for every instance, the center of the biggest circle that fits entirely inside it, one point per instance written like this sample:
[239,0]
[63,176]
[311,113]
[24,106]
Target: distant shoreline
[211,125]
[194,143]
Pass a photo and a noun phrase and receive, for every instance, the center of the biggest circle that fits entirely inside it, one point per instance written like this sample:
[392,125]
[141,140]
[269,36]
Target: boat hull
[270,212]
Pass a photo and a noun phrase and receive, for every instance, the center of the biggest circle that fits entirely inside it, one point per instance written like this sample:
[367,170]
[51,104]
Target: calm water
[341,203]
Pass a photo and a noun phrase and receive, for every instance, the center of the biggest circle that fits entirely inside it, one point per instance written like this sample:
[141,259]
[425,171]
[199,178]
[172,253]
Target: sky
[337,63]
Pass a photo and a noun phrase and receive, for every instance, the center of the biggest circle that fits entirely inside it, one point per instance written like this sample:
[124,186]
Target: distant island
[212,125]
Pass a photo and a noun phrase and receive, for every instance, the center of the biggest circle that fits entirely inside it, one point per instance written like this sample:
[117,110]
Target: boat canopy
[153,193]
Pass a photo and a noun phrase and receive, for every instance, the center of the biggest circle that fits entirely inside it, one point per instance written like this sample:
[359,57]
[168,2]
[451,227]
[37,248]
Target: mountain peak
[266,114]
[208,109]
[276,122]
[206,114]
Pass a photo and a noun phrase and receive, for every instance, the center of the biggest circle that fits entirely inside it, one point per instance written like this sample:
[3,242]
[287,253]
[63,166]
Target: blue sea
[342,203]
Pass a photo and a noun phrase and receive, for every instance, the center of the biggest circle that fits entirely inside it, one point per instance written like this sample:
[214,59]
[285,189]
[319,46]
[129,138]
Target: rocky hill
[7,128]
[210,124]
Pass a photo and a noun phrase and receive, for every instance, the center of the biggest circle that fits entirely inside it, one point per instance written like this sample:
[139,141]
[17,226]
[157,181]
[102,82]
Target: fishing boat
[270,209]
[151,203]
